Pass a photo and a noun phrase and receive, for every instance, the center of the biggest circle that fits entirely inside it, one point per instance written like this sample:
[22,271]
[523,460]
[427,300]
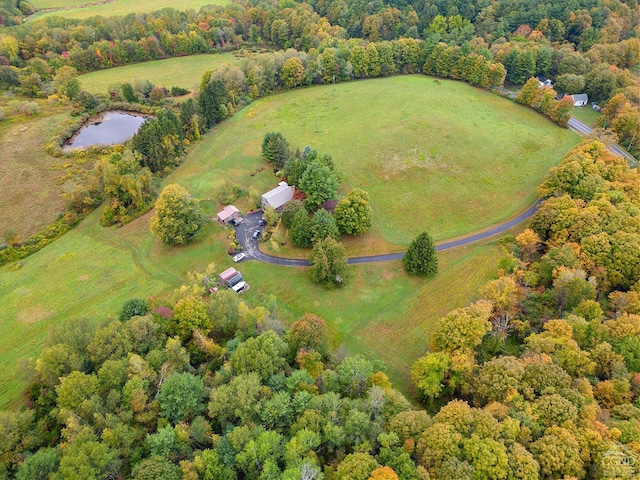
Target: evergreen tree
[328,263]
[421,259]
[211,103]
[275,149]
[324,226]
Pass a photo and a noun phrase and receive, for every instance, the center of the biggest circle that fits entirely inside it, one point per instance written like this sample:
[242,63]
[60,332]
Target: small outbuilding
[580,99]
[227,214]
[236,279]
[228,274]
[545,82]
[279,196]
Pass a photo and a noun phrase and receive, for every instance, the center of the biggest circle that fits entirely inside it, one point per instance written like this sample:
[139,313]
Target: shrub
[132,308]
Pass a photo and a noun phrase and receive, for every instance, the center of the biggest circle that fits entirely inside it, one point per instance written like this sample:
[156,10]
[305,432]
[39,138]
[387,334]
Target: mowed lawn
[434,155]
[587,115]
[184,72]
[88,8]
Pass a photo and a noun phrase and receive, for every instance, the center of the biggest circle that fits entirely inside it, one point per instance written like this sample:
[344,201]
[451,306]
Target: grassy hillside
[173,72]
[434,155]
[109,8]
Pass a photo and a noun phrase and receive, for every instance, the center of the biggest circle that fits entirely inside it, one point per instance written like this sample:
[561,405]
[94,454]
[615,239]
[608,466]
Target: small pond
[110,128]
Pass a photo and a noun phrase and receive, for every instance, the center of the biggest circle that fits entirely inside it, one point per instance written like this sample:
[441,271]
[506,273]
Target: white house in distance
[580,99]
[279,196]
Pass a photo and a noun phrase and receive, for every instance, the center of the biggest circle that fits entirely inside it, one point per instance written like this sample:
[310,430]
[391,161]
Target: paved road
[251,223]
[585,129]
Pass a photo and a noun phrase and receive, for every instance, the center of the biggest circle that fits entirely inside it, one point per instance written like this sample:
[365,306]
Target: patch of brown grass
[33,314]
[32,181]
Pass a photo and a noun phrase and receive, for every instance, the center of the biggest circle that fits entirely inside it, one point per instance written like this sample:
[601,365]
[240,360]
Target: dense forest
[539,377]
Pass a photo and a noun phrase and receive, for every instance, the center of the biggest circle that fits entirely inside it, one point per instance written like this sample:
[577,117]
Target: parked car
[240,288]
[256,234]
[263,222]
[235,222]
[239,257]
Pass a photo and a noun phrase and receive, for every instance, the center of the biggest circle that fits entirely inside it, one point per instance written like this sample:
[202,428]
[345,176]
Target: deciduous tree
[292,72]
[178,217]
[319,183]
[309,332]
[181,397]
[353,213]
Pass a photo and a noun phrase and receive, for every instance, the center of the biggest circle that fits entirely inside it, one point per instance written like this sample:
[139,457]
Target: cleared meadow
[434,155]
[397,138]
[31,180]
[182,72]
[110,8]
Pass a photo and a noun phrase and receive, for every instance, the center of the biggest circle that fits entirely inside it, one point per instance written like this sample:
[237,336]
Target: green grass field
[182,72]
[586,115]
[377,145]
[434,155]
[108,8]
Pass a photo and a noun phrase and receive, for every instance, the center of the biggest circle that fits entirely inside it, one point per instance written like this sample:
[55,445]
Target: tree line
[540,375]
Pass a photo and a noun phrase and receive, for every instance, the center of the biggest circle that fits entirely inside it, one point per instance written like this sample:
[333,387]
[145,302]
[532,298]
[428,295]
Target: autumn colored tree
[353,214]
[178,218]
[309,332]
[292,72]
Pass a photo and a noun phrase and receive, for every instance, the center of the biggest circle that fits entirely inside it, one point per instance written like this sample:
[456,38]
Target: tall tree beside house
[320,184]
[178,217]
[328,263]
[421,259]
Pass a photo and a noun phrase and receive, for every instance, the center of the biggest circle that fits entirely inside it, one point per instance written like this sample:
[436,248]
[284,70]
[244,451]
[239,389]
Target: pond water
[110,129]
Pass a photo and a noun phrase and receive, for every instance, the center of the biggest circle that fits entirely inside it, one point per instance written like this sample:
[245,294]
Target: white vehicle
[240,287]
[238,257]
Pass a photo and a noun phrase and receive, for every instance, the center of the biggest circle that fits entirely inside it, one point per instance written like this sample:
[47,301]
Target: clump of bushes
[179,91]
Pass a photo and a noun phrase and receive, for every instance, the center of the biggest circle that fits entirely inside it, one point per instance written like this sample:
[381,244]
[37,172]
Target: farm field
[182,72]
[434,155]
[109,8]
[394,146]
[32,181]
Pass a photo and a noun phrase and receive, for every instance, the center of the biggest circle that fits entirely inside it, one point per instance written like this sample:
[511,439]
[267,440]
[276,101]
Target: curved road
[251,223]
[584,129]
